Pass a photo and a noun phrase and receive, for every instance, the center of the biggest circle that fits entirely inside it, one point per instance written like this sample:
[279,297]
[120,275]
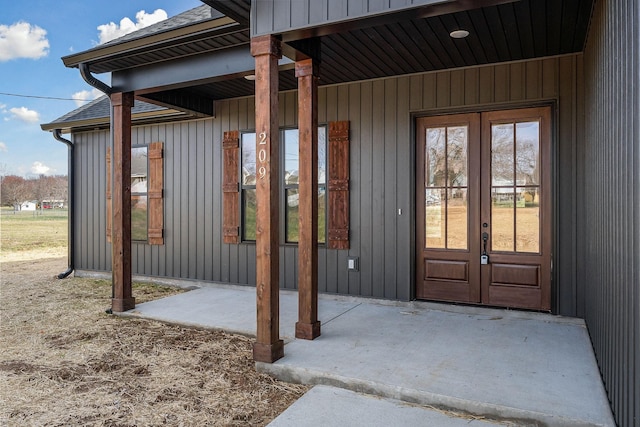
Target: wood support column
[308,325]
[122,299]
[268,346]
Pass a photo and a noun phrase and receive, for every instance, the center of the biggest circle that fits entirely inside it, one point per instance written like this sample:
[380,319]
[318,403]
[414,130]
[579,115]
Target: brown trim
[338,185]
[511,279]
[538,298]
[449,286]
[154,195]
[121,198]
[108,194]
[268,346]
[230,187]
[308,325]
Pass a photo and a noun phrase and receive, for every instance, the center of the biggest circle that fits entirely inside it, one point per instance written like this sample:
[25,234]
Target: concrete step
[325,406]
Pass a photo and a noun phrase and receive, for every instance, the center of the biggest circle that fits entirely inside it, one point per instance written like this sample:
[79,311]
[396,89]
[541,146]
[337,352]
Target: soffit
[514,31]
[508,32]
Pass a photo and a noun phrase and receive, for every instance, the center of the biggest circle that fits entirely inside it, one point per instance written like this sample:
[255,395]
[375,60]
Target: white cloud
[112,30]
[86,95]
[22,40]
[26,115]
[3,147]
[40,168]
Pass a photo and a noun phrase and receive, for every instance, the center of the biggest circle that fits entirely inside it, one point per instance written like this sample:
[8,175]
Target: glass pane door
[446,191]
[515,187]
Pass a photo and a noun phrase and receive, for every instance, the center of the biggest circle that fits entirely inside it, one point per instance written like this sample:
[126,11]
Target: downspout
[57,134]
[85,72]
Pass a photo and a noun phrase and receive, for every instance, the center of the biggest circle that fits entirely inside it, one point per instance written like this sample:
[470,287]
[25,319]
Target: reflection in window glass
[502,155]
[457,219]
[528,220]
[139,218]
[435,220]
[249,159]
[293,202]
[502,219]
[139,179]
[322,156]
[457,156]
[528,153]
[290,174]
[290,177]
[446,170]
[435,154]
[248,185]
[139,170]
[291,156]
[515,193]
[322,214]
[249,214]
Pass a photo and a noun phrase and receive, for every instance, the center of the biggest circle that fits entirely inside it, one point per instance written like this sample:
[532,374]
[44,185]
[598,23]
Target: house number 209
[262,155]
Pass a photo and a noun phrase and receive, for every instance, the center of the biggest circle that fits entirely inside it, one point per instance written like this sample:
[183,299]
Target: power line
[45,97]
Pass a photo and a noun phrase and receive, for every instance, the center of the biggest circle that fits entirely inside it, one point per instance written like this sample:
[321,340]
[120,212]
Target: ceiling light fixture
[459,34]
[251,77]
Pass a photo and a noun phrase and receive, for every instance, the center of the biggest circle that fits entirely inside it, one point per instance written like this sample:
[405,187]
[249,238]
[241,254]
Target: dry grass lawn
[33,235]
[65,362]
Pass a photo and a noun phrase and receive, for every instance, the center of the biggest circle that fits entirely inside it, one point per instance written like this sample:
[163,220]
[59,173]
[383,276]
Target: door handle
[484,258]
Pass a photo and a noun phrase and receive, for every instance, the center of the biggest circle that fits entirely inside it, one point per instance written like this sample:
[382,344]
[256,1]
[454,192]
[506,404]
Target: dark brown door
[484,208]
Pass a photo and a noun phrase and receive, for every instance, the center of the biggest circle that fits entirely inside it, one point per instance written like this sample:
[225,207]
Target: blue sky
[34,35]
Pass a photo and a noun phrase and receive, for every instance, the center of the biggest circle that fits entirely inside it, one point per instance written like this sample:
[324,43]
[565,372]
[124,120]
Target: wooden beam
[121,203]
[308,325]
[268,346]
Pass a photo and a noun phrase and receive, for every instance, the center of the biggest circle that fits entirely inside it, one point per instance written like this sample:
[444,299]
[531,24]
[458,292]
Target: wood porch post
[122,299]
[268,346]
[308,325]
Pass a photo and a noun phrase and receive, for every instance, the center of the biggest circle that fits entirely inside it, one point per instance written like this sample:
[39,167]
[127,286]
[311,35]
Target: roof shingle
[99,108]
[190,17]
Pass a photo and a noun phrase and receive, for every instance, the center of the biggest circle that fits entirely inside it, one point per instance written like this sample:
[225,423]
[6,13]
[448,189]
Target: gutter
[177,36]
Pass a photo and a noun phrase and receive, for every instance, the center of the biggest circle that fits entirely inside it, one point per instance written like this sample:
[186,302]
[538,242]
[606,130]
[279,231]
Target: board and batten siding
[381,114]
[610,245]
[285,15]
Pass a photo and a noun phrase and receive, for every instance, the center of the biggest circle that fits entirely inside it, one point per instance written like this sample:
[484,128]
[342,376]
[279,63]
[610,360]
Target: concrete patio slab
[529,368]
[231,308]
[524,367]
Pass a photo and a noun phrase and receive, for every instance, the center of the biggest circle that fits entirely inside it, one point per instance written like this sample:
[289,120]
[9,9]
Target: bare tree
[15,190]
[59,189]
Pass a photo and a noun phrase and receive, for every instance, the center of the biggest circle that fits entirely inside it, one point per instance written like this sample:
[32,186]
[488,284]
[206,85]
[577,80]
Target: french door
[484,208]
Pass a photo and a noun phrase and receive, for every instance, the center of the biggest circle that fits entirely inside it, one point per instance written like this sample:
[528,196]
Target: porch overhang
[191,67]
[372,16]
[197,70]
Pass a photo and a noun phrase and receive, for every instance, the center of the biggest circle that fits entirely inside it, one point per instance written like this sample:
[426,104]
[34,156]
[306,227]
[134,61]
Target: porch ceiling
[508,32]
